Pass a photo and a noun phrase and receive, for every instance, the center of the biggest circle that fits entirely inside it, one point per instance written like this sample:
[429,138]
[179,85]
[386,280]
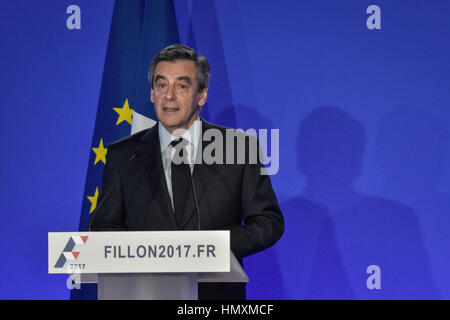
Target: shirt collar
[192,134]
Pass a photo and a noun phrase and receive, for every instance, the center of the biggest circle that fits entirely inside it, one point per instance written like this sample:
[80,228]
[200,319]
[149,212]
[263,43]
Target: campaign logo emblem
[68,254]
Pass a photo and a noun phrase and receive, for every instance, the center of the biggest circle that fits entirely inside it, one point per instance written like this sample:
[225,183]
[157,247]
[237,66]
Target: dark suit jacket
[233,197]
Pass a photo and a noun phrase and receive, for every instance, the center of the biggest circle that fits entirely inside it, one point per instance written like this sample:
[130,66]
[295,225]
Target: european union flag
[139,30]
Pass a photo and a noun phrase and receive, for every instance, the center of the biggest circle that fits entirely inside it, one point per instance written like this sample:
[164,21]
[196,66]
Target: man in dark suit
[143,189]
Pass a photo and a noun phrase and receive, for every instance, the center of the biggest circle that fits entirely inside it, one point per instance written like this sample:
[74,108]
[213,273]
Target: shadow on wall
[411,147]
[333,233]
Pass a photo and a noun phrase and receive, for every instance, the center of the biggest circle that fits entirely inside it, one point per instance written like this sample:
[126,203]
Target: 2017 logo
[68,254]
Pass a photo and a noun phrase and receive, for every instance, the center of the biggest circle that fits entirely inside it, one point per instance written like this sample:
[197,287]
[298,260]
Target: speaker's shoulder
[134,140]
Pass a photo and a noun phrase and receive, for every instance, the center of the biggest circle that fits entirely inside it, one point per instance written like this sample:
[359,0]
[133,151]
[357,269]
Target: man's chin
[170,122]
[172,125]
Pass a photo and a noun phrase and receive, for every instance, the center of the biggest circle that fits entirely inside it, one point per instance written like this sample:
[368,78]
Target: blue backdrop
[364,119]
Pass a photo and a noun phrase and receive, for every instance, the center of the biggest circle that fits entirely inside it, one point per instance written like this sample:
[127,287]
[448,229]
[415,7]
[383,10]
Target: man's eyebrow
[160,77]
[185,78]
[181,78]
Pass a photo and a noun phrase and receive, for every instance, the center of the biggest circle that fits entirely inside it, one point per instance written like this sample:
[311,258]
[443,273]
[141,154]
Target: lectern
[146,264]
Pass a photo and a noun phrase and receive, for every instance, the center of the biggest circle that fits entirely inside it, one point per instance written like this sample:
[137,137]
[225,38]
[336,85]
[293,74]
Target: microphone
[194,194]
[183,143]
[195,201]
[138,153]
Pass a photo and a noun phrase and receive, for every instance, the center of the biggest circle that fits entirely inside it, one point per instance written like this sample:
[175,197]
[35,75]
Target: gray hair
[181,52]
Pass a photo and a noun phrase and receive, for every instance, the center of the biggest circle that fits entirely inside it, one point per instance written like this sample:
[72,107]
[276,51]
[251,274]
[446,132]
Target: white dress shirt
[192,135]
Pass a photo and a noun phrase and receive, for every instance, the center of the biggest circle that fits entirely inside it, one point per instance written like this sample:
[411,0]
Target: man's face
[175,95]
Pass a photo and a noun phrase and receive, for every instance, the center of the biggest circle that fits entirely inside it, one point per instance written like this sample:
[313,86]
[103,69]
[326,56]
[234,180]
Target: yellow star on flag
[125,113]
[93,201]
[100,153]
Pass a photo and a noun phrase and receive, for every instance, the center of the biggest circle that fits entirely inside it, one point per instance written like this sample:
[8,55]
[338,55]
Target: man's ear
[203,96]
[152,99]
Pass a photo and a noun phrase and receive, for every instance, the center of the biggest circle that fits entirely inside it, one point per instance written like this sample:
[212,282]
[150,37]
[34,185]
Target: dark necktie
[180,180]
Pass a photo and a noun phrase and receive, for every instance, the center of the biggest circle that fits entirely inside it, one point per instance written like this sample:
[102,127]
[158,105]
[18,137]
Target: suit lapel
[154,177]
[202,176]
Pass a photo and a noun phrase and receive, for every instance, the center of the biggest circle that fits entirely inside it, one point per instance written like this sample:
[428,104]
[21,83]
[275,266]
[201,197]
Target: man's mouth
[170,109]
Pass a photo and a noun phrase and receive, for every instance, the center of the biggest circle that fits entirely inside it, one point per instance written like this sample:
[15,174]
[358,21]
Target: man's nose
[170,93]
